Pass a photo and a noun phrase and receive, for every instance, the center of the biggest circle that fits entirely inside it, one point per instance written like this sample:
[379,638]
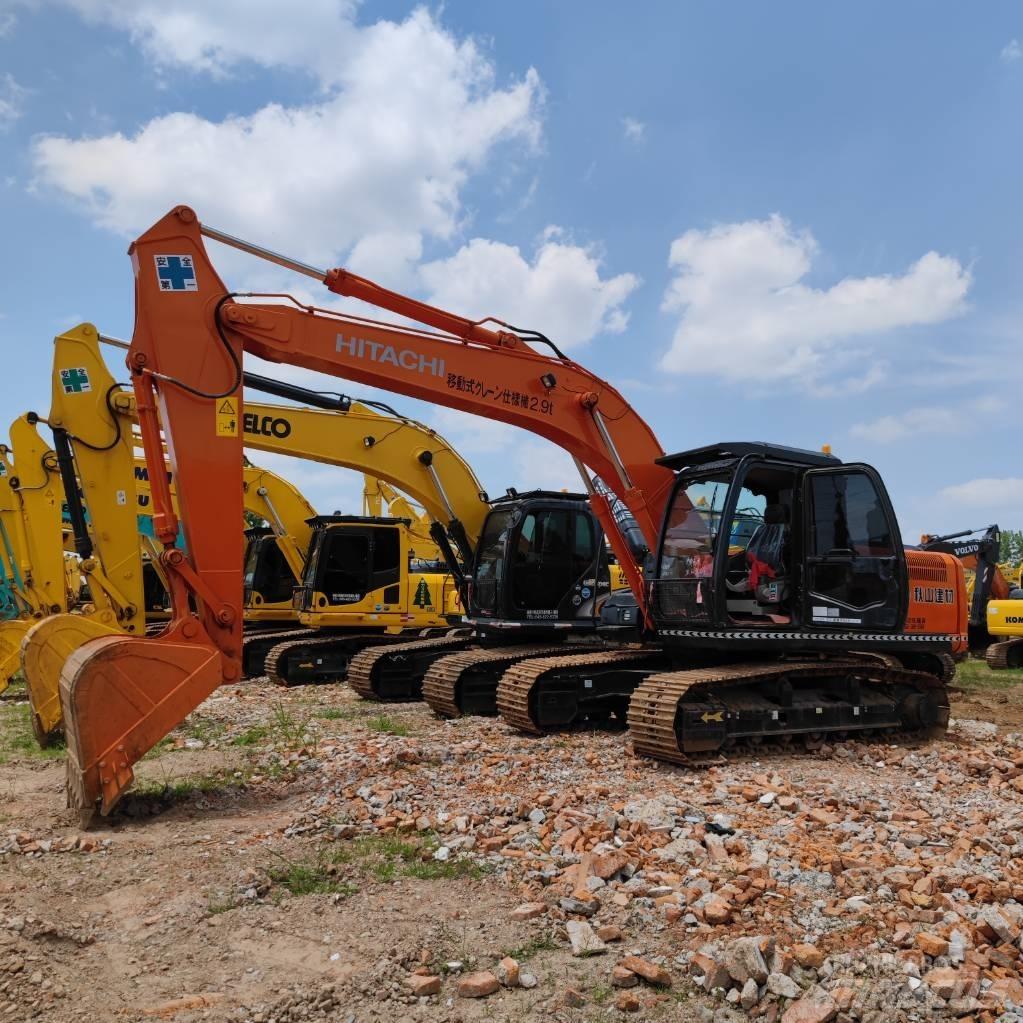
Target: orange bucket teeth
[120,696]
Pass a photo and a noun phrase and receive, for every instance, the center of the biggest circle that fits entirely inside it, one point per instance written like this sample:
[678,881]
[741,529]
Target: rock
[750,994]
[572,998]
[528,911]
[816,1007]
[627,1001]
[423,986]
[609,932]
[716,848]
[788,803]
[717,911]
[508,972]
[782,986]
[822,817]
[528,980]
[649,971]
[537,816]
[651,812]
[621,977]
[844,997]
[1005,990]
[944,981]
[442,854]
[714,973]
[606,864]
[931,944]
[993,920]
[743,959]
[478,985]
[810,957]
[584,941]
[581,907]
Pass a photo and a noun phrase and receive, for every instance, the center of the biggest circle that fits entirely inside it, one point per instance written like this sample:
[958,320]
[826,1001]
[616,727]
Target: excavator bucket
[45,648]
[120,696]
[11,635]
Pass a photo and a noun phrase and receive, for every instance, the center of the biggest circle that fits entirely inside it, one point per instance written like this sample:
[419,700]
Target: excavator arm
[186,365]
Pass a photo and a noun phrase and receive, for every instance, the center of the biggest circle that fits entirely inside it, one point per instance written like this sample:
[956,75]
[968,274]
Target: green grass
[600,994]
[380,858]
[333,714]
[251,736]
[285,728]
[541,943]
[382,723]
[216,906]
[16,736]
[310,877]
[175,790]
[974,674]
[206,730]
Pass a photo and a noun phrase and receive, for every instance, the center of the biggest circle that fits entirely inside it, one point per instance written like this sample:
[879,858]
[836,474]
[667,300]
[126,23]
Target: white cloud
[559,292]
[415,111]
[1011,51]
[996,499]
[960,418]
[318,36]
[745,312]
[12,100]
[635,131]
[8,19]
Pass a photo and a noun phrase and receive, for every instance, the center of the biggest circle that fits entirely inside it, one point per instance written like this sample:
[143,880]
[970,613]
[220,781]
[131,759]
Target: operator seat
[767,555]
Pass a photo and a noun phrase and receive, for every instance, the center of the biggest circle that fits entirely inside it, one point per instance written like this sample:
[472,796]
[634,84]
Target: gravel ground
[303,855]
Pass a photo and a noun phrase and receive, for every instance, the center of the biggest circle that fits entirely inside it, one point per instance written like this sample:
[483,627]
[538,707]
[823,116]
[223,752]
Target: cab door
[854,567]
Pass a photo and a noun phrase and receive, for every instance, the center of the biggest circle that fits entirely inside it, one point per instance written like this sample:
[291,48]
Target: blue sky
[796,222]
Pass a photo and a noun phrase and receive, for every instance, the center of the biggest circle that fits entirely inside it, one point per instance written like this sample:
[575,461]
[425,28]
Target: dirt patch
[302,855]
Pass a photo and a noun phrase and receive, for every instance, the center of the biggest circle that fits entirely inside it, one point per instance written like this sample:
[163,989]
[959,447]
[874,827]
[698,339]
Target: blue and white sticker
[176,273]
[587,593]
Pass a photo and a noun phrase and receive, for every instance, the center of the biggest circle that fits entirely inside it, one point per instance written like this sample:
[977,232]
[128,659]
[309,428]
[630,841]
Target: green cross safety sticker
[422,597]
[75,381]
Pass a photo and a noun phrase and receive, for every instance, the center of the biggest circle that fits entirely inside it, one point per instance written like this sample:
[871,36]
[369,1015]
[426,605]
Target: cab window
[849,518]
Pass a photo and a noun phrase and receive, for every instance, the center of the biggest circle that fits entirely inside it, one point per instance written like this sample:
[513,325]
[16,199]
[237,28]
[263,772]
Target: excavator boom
[186,365]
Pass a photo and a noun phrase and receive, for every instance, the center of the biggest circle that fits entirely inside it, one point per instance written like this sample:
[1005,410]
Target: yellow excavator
[31,511]
[1005,620]
[14,606]
[50,641]
[95,455]
[362,584]
[87,399]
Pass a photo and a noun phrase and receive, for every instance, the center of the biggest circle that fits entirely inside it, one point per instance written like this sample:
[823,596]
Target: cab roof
[725,452]
[356,520]
[538,495]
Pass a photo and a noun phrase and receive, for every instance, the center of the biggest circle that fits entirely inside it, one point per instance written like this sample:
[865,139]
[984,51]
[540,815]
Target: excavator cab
[358,588]
[269,582]
[355,563]
[781,541]
[540,564]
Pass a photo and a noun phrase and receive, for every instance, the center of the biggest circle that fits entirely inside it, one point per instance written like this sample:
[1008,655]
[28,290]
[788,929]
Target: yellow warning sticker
[227,418]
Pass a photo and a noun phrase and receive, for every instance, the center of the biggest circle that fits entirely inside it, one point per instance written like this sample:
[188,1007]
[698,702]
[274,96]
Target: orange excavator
[816,623]
[978,550]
